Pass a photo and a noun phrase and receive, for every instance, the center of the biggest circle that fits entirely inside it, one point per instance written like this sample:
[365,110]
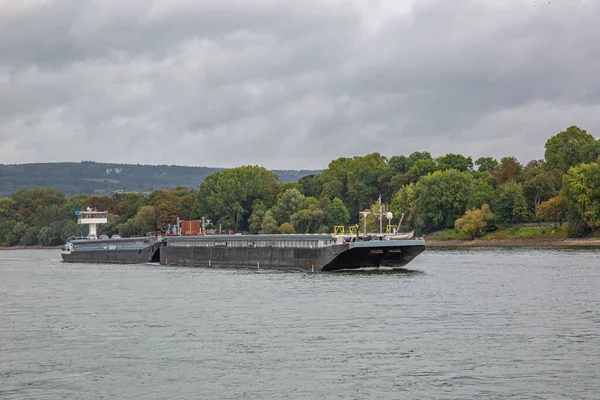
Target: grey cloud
[290,85]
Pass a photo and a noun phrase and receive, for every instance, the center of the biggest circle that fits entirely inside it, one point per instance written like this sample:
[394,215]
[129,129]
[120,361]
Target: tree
[255,221]
[509,169]
[483,193]
[510,203]
[108,229]
[227,196]
[537,188]
[7,208]
[308,220]
[334,179]
[166,213]
[590,152]
[144,221]
[365,181]
[45,215]
[581,188]
[554,209]
[440,198]
[283,187]
[30,237]
[101,203]
[422,168]
[486,164]
[6,231]
[474,221]
[568,148]
[287,228]
[399,164]
[455,161]
[19,232]
[31,200]
[51,235]
[336,214]
[290,202]
[404,203]
[311,185]
[128,204]
[269,224]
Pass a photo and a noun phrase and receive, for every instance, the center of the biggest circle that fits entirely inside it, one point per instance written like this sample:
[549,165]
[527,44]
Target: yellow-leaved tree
[473,222]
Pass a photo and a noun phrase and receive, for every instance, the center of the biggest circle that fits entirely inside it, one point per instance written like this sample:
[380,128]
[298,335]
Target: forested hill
[88,177]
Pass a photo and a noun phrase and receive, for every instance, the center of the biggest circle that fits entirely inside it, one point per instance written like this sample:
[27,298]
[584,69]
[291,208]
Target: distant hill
[105,179]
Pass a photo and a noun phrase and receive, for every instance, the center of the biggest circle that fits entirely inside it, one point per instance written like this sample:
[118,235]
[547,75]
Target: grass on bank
[537,232]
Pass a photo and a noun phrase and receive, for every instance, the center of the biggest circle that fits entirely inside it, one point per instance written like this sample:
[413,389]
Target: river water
[481,323]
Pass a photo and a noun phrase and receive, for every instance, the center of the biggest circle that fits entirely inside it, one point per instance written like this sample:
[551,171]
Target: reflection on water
[458,324]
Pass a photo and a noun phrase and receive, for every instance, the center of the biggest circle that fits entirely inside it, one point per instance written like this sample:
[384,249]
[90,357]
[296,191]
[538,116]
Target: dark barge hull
[113,256]
[112,251]
[307,253]
[330,258]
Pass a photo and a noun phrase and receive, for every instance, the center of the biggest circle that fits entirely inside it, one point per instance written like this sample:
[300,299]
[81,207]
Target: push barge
[294,252]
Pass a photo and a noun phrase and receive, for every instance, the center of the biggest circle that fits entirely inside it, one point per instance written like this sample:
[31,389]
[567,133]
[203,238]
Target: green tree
[486,164]
[399,164]
[226,197]
[510,203]
[404,203]
[269,224]
[290,202]
[537,188]
[108,229]
[311,185]
[128,204]
[308,220]
[455,161]
[7,227]
[289,185]
[483,193]
[30,237]
[567,148]
[440,198]
[51,235]
[336,213]
[422,168]
[581,187]
[365,182]
[334,179]
[255,221]
[144,221]
[590,152]
[7,208]
[19,232]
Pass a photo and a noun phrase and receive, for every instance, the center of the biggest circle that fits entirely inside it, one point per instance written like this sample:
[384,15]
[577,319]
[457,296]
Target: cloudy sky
[292,84]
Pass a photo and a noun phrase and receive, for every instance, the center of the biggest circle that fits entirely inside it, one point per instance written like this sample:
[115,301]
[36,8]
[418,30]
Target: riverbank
[541,236]
[31,248]
[514,243]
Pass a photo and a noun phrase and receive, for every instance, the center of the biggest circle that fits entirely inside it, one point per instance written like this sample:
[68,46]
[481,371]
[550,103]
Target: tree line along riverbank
[474,199]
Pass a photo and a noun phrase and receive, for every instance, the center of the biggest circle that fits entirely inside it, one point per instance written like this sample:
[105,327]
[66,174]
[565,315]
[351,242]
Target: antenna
[400,223]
